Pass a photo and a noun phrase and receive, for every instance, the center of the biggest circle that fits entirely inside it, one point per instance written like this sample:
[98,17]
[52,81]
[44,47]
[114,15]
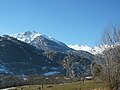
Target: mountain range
[37,39]
[33,53]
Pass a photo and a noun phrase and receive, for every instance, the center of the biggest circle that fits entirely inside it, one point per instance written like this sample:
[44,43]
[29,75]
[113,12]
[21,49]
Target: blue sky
[70,21]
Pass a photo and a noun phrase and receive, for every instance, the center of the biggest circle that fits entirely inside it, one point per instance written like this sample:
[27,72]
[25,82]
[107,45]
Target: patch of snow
[88,77]
[66,78]
[8,88]
[51,73]
[52,39]
[30,58]
[54,68]
[44,68]
[2,68]
[2,45]
[25,79]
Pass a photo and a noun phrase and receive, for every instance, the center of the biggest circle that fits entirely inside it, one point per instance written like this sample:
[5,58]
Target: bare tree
[107,65]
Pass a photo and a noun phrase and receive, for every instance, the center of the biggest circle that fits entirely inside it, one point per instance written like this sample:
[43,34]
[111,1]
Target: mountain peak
[27,37]
[41,41]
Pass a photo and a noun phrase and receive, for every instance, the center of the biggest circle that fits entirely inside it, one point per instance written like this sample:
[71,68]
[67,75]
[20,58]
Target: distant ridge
[95,50]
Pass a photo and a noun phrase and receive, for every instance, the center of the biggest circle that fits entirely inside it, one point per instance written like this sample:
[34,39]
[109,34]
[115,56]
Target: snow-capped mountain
[30,36]
[95,50]
[42,42]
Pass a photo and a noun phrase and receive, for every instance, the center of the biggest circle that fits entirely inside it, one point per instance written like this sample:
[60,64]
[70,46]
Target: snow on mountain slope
[80,47]
[27,36]
[42,42]
[95,50]
[30,36]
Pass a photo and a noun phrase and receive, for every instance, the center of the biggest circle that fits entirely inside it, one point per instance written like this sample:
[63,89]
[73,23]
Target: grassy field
[88,85]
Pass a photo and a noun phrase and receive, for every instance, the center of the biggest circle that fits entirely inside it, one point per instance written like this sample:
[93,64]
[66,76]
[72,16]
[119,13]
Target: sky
[70,21]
